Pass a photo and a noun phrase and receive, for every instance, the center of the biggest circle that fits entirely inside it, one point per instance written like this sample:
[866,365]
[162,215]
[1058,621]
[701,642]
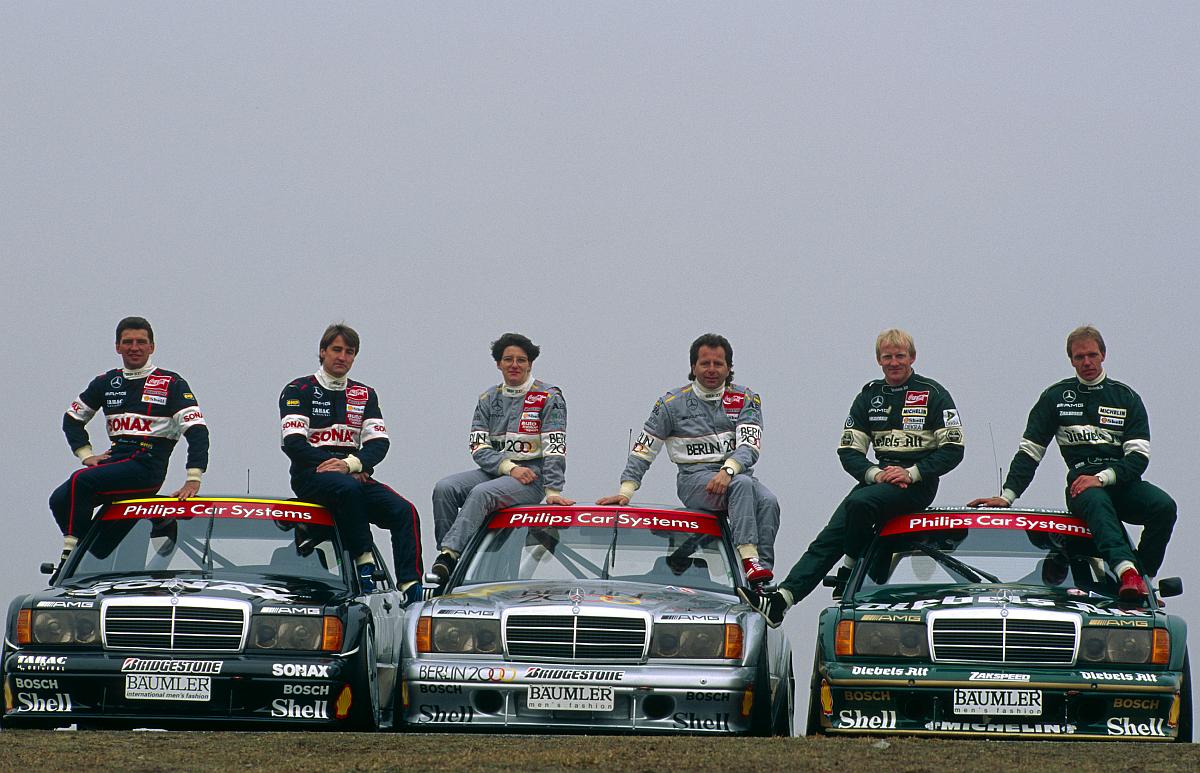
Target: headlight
[294,632]
[1123,645]
[450,634]
[891,640]
[688,640]
[64,626]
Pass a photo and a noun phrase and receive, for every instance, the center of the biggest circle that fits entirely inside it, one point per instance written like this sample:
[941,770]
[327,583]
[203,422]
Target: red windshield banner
[696,523]
[1053,524]
[247,509]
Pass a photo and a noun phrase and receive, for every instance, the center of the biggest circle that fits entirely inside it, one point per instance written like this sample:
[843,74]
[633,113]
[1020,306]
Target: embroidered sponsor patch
[1112,421]
[914,411]
[293,402]
[535,401]
[155,389]
[733,402]
[950,418]
[914,424]
[912,398]
[1119,413]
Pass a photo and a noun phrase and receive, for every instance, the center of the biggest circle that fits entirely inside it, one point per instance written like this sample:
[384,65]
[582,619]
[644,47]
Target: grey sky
[611,179]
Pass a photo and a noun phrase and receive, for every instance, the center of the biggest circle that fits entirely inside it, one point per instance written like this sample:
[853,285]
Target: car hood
[269,591]
[921,600]
[660,602]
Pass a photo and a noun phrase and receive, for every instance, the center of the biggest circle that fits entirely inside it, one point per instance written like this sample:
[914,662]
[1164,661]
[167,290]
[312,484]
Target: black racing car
[1002,624]
[205,611]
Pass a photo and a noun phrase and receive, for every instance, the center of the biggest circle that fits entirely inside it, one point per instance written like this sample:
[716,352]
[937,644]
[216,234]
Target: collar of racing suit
[1094,381]
[330,382]
[705,394]
[516,391]
[134,375]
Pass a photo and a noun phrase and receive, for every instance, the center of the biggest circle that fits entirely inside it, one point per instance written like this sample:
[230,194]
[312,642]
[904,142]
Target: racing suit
[1101,429]
[147,410]
[702,431]
[513,426]
[913,425]
[335,418]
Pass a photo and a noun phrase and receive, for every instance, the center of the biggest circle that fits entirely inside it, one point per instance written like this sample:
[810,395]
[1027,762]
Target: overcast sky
[611,179]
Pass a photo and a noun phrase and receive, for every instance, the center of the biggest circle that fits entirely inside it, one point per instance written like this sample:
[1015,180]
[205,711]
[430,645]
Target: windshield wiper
[206,559]
[971,573]
[610,559]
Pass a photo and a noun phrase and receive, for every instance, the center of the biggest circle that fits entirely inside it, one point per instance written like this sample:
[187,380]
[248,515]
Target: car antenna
[630,446]
[996,459]
[247,481]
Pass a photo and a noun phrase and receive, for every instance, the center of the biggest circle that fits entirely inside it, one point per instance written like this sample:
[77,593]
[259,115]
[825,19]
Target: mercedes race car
[204,611]
[997,623]
[597,619]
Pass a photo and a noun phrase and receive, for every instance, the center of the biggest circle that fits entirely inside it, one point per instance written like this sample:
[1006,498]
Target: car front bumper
[1110,703]
[53,688]
[494,695]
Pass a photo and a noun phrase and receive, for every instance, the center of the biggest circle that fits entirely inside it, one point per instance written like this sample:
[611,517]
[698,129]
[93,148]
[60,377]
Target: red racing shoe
[1133,588]
[756,573]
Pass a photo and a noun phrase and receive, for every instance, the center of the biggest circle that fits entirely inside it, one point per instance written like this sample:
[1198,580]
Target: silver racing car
[596,619]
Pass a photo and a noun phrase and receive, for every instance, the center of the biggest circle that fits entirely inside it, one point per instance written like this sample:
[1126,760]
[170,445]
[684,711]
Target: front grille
[188,625]
[595,636]
[1004,636]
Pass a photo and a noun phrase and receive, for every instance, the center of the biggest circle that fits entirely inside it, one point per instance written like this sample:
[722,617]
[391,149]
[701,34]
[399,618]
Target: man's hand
[187,490]
[362,477]
[333,465]
[719,483]
[615,499]
[92,461]
[897,476]
[523,475]
[556,499]
[989,502]
[1083,483]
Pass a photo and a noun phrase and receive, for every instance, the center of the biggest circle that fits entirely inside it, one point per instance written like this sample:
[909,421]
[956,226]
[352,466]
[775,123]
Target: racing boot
[756,573]
[366,577]
[69,544]
[443,566]
[413,592]
[772,605]
[1133,588]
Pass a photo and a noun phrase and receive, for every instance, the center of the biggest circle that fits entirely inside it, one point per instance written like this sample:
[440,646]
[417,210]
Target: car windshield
[1060,555]
[214,546]
[680,549]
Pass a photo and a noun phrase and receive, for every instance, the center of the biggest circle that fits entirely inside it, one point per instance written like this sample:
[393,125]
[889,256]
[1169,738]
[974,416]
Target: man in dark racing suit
[147,409]
[333,431]
[518,440]
[1103,433]
[712,430]
[917,434]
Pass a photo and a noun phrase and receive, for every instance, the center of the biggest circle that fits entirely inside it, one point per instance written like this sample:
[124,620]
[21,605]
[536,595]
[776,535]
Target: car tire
[1184,734]
[784,709]
[760,709]
[813,724]
[364,715]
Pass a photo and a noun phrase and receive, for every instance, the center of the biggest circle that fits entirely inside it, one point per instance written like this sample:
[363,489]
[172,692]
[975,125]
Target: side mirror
[46,568]
[837,581]
[1170,586]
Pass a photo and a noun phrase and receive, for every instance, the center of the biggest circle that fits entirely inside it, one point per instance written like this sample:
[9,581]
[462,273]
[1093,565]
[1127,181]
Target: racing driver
[917,434]
[334,434]
[147,409]
[1103,433]
[712,430]
[518,439]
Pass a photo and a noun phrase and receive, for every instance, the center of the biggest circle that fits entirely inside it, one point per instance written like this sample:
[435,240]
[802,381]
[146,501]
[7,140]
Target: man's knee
[444,490]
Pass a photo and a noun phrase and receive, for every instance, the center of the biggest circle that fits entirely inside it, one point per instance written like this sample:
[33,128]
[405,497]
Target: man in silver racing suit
[518,440]
[712,429]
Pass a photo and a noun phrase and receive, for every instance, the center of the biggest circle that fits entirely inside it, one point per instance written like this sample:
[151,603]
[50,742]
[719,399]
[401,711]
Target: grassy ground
[29,750]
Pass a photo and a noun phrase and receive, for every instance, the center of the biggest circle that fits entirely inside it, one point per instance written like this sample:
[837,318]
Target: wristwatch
[728,470]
